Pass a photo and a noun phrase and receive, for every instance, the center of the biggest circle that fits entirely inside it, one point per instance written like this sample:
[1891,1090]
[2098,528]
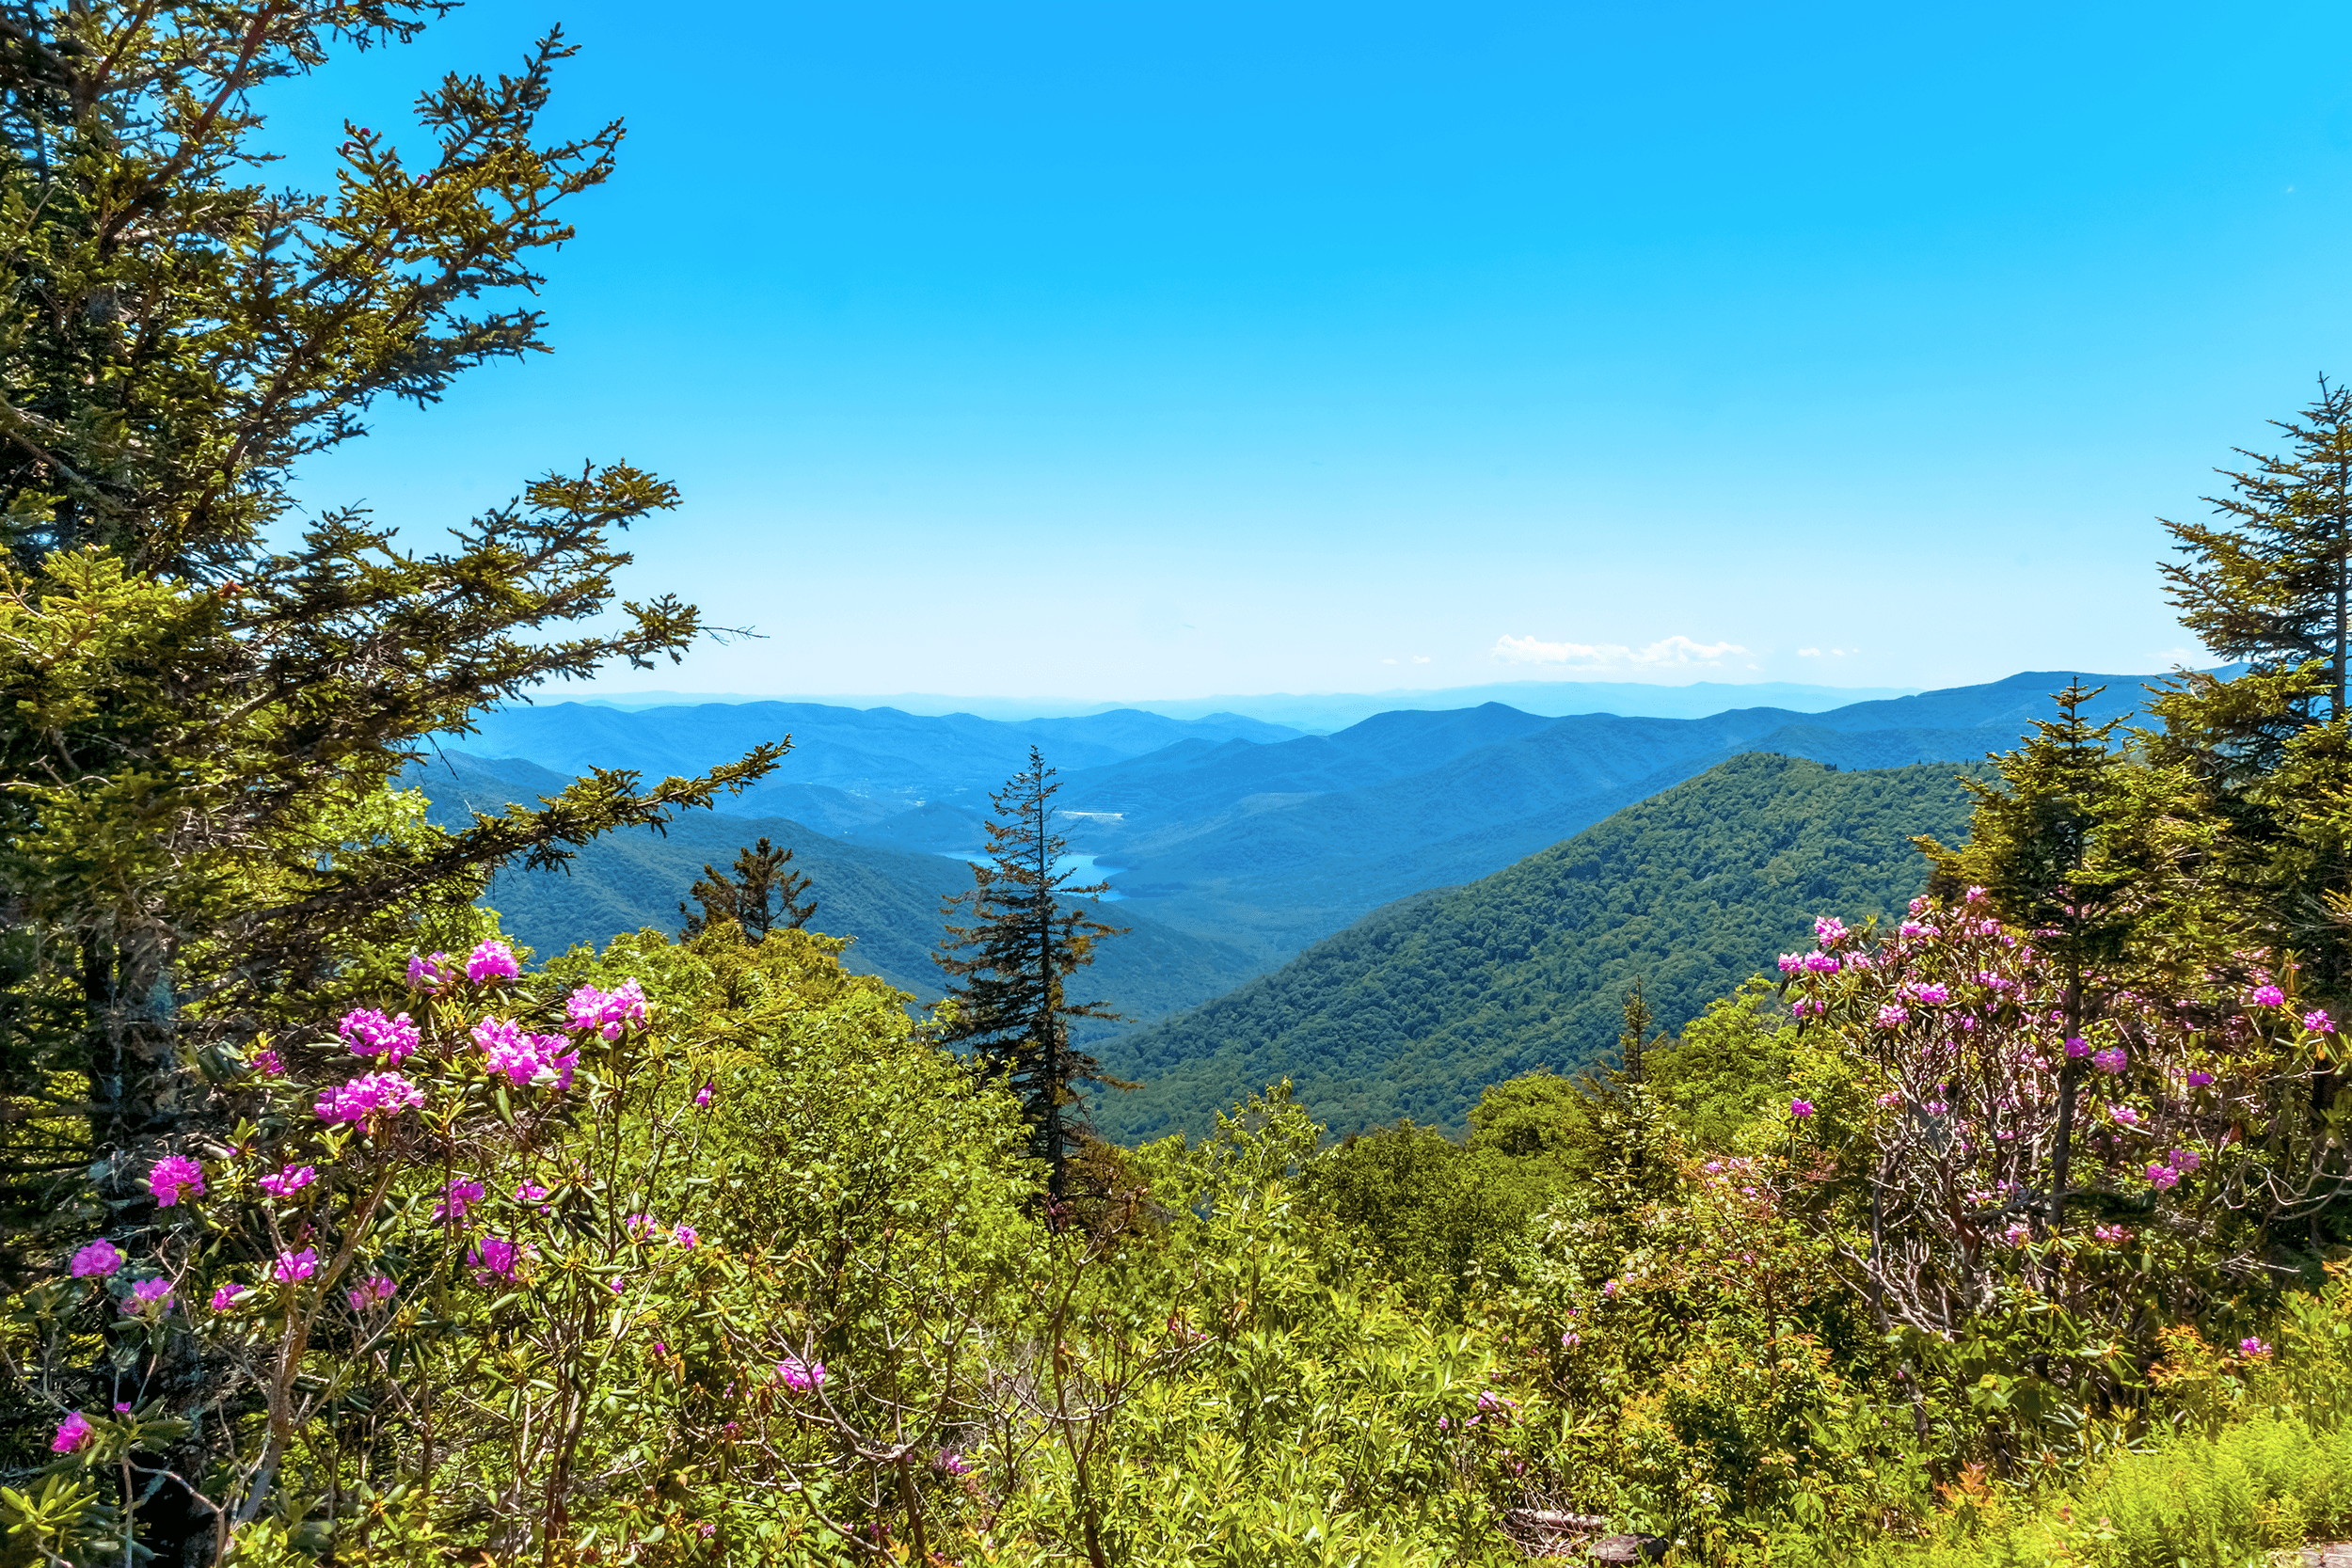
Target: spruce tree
[2271,584]
[759,898]
[1026,936]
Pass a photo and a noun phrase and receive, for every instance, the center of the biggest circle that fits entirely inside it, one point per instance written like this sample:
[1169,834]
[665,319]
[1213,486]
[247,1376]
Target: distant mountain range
[1321,713]
[888,899]
[1233,843]
[1415,1008]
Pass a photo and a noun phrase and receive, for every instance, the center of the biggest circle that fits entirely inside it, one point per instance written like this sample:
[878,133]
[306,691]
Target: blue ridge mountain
[1415,1008]
[886,898]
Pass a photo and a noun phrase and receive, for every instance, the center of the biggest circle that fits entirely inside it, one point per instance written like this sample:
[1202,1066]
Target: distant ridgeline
[1414,1009]
[1235,844]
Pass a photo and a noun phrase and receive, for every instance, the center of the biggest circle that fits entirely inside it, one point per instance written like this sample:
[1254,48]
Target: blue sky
[1153,350]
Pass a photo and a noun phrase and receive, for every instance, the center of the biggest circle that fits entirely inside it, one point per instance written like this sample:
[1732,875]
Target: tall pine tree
[2270,583]
[763,894]
[1027,934]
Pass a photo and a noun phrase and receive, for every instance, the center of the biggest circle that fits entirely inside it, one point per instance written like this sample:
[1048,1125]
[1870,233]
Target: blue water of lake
[1080,868]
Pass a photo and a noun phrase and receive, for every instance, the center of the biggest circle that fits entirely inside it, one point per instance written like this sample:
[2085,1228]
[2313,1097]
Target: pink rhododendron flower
[370,1100]
[2018,1234]
[529,1192]
[290,1180]
[607,1012]
[2163,1177]
[702,1095]
[265,1062]
[638,1226]
[71,1434]
[799,1375]
[1610,1289]
[294,1266]
[949,1461]
[493,1257]
[2076,1047]
[685,1237]
[2110,1060]
[148,1295]
[425,973]
[2199,1079]
[492,960]
[2126,1114]
[227,1296]
[175,1177]
[97,1260]
[371,1293]
[1791,963]
[2109,1233]
[1893,1016]
[369,1033]
[1807,1007]
[1829,930]
[2253,1349]
[1933,994]
[1800,1108]
[2267,996]
[525,1058]
[1975,895]
[1822,963]
[2318,1021]
[457,1196]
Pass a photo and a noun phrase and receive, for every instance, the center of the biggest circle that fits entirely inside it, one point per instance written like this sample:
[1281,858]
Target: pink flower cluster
[290,1180]
[369,1033]
[175,1177]
[71,1434]
[457,1197]
[371,1293]
[373,1098]
[2267,996]
[493,1257]
[427,973]
[147,1296]
[492,960]
[1808,963]
[2110,1060]
[293,1267]
[523,1056]
[608,1012]
[799,1375]
[2318,1022]
[1894,1015]
[1800,1108]
[227,1296]
[97,1260]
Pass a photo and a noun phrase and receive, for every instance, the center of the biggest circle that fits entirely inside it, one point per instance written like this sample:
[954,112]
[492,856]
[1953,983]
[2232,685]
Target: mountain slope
[1414,1009]
[1278,870]
[887,899]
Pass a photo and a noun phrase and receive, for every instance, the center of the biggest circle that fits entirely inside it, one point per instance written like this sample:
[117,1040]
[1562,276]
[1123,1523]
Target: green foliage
[760,898]
[1414,1010]
[1728,1066]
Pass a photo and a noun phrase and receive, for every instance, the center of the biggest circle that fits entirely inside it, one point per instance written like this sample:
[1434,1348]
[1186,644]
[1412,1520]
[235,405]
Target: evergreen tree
[1026,939]
[762,900]
[2271,584]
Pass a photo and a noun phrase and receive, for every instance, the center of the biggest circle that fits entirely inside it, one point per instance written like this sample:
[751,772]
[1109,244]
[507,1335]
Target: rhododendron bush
[1957,1077]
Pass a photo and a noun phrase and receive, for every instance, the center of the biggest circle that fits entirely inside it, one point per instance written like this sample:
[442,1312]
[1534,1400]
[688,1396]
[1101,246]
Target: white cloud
[1420,658]
[1832,653]
[1669,652]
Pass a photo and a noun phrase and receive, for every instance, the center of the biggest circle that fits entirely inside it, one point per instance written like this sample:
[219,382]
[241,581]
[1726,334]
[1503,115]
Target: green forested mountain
[885,899]
[1412,1010]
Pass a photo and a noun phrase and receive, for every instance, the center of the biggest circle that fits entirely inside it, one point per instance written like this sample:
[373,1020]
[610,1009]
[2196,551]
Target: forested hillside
[886,900]
[1413,1010]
